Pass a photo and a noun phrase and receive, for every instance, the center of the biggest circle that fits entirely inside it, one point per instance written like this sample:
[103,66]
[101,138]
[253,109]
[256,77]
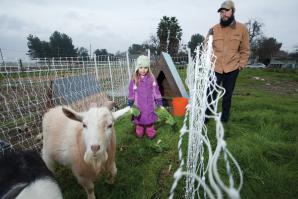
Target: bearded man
[231,48]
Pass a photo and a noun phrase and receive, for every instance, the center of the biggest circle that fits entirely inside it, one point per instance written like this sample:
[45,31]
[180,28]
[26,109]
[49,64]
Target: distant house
[289,64]
[275,63]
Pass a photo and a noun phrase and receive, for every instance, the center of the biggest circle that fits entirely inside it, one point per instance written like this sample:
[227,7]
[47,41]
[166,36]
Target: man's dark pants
[228,81]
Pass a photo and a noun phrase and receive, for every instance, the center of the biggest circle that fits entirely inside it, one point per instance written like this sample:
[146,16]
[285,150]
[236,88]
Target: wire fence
[30,87]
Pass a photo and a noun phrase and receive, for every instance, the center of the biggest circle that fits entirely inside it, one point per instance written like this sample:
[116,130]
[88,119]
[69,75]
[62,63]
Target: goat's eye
[110,126]
[84,126]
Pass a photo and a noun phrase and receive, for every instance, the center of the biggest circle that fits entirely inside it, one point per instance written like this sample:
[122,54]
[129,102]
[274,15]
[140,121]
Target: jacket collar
[233,24]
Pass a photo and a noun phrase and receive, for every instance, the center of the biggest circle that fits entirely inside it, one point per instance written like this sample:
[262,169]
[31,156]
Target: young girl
[145,95]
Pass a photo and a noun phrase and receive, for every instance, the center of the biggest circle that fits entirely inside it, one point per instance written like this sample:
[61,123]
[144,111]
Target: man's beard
[227,22]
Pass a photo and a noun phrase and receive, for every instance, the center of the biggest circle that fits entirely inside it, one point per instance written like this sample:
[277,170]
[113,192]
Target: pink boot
[139,131]
[150,131]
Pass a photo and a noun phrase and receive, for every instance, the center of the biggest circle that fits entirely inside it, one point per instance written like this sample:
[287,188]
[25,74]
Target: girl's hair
[136,76]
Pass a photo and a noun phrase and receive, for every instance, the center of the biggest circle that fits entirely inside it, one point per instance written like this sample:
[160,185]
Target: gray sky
[115,25]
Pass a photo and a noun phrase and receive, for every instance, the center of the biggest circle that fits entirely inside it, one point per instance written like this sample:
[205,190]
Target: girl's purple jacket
[144,96]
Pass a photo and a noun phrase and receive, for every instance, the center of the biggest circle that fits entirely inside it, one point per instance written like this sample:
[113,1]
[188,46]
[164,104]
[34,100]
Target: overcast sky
[115,25]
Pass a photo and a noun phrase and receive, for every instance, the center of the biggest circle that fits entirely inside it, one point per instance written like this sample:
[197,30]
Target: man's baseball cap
[226,5]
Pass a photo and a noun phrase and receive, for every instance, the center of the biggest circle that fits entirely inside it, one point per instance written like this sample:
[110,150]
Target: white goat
[85,142]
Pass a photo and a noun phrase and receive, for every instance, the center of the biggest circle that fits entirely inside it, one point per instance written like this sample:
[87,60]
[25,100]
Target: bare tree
[255,36]
[254,29]
[153,44]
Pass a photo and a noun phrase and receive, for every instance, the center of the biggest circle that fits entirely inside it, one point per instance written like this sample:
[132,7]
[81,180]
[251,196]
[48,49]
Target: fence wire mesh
[31,87]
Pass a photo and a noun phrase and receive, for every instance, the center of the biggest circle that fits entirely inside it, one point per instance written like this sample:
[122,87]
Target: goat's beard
[227,22]
[96,161]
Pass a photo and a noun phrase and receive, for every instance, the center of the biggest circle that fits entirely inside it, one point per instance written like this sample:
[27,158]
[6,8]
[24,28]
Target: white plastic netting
[203,162]
[29,88]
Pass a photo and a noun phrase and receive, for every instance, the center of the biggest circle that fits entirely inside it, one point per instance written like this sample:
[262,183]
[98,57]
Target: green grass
[262,135]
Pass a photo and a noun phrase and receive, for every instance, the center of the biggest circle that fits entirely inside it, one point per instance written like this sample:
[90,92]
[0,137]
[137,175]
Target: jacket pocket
[217,43]
[235,42]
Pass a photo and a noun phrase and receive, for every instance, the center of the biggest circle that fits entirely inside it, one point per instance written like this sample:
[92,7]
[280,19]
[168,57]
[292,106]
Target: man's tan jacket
[230,46]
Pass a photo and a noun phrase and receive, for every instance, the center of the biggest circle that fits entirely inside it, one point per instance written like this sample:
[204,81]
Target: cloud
[10,24]
[115,25]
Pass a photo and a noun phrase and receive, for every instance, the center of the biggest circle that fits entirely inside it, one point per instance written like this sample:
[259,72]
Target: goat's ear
[110,105]
[120,112]
[71,114]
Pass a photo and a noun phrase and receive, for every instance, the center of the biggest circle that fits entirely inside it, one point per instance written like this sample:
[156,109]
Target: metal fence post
[112,82]
[122,79]
[128,68]
[83,62]
[96,69]
[189,57]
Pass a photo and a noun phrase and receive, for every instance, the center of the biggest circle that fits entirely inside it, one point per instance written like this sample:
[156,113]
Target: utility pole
[2,57]
[90,51]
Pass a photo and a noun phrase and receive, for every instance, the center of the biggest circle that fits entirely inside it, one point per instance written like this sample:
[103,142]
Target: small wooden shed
[168,78]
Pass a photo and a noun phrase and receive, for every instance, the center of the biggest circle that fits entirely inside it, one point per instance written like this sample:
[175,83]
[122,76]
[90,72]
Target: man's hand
[240,67]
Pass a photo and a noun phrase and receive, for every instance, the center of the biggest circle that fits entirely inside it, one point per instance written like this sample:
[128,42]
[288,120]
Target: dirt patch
[284,87]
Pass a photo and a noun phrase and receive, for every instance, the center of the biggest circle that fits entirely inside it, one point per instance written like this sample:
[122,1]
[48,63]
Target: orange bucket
[179,106]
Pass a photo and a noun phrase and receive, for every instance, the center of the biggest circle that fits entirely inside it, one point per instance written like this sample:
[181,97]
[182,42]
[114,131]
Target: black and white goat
[24,175]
